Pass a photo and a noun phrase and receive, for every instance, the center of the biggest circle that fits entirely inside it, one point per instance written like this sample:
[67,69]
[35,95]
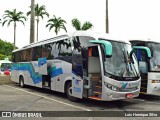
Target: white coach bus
[82,65]
[149,67]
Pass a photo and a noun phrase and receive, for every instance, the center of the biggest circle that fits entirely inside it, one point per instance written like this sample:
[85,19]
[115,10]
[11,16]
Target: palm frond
[21,22]
[76,24]
[51,26]
[22,17]
[4,22]
[28,13]
[10,22]
[7,16]
[87,25]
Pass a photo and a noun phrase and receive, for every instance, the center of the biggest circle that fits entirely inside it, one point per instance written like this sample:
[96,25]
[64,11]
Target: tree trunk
[37,28]
[107,21]
[14,35]
[32,23]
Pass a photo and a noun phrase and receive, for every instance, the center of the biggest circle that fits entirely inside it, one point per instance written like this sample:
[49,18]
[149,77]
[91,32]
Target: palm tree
[40,11]
[57,23]
[32,22]
[107,22]
[13,16]
[77,25]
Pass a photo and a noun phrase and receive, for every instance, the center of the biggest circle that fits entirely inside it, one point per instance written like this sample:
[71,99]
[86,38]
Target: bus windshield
[120,64]
[155,59]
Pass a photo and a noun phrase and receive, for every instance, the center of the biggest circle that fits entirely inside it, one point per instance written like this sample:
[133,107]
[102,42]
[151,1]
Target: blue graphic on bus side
[77,89]
[56,72]
[76,82]
[37,78]
[41,61]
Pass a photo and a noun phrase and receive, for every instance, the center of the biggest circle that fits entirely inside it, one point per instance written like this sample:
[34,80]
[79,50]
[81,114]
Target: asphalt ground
[15,98]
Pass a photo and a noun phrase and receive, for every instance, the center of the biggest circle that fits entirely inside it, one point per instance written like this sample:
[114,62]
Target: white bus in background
[5,65]
[149,67]
[82,65]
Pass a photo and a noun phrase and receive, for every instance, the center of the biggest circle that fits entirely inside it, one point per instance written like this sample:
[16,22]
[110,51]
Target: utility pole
[107,21]
[32,22]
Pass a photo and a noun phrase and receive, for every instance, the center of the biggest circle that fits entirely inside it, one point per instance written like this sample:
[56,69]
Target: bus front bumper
[110,95]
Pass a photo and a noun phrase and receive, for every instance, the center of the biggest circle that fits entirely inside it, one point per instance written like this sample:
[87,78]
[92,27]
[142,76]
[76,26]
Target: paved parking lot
[14,98]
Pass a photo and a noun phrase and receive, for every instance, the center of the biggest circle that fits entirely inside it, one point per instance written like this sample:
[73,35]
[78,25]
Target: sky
[129,19]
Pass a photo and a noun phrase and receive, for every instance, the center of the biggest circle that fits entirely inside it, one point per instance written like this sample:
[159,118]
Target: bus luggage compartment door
[42,66]
[77,87]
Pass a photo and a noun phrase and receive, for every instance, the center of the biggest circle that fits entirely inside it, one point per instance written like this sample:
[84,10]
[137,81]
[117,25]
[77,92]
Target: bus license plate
[129,95]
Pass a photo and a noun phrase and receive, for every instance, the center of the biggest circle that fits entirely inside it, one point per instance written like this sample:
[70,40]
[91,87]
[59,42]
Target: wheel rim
[70,91]
[21,83]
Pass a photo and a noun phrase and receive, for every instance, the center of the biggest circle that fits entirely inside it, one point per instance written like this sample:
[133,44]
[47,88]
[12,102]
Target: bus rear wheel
[21,81]
[69,92]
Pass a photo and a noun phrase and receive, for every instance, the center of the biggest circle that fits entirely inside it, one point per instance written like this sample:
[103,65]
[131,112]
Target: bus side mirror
[107,45]
[140,48]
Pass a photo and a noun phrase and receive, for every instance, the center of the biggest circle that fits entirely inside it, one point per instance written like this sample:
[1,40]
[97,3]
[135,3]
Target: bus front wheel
[69,92]
[21,81]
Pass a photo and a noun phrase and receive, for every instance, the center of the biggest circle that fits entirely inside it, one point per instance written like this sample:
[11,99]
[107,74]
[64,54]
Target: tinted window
[17,56]
[57,50]
[63,48]
[13,57]
[46,51]
[37,53]
[26,55]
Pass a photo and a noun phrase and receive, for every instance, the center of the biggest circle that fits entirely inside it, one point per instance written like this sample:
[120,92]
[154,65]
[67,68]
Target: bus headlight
[114,88]
[111,87]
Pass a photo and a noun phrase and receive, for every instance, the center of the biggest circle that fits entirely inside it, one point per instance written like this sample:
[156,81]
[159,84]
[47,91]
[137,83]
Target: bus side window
[24,55]
[13,57]
[37,53]
[46,51]
[18,56]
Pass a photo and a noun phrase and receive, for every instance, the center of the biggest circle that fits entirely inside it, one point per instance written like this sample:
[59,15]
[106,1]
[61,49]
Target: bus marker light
[129,95]
[153,81]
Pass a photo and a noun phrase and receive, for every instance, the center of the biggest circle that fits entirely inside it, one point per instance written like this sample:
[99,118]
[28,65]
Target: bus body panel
[60,71]
[153,88]
[42,66]
[27,71]
[77,86]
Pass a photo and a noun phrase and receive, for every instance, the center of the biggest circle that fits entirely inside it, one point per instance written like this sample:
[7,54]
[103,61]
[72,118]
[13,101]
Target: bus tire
[21,81]
[69,92]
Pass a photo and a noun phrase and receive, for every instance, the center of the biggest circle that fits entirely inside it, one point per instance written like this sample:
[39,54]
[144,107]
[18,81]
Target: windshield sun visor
[142,48]
[107,44]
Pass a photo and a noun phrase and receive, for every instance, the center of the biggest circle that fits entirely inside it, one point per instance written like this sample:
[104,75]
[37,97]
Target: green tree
[57,24]
[6,49]
[77,25]
[2,57]
[13,16]
[40,11]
